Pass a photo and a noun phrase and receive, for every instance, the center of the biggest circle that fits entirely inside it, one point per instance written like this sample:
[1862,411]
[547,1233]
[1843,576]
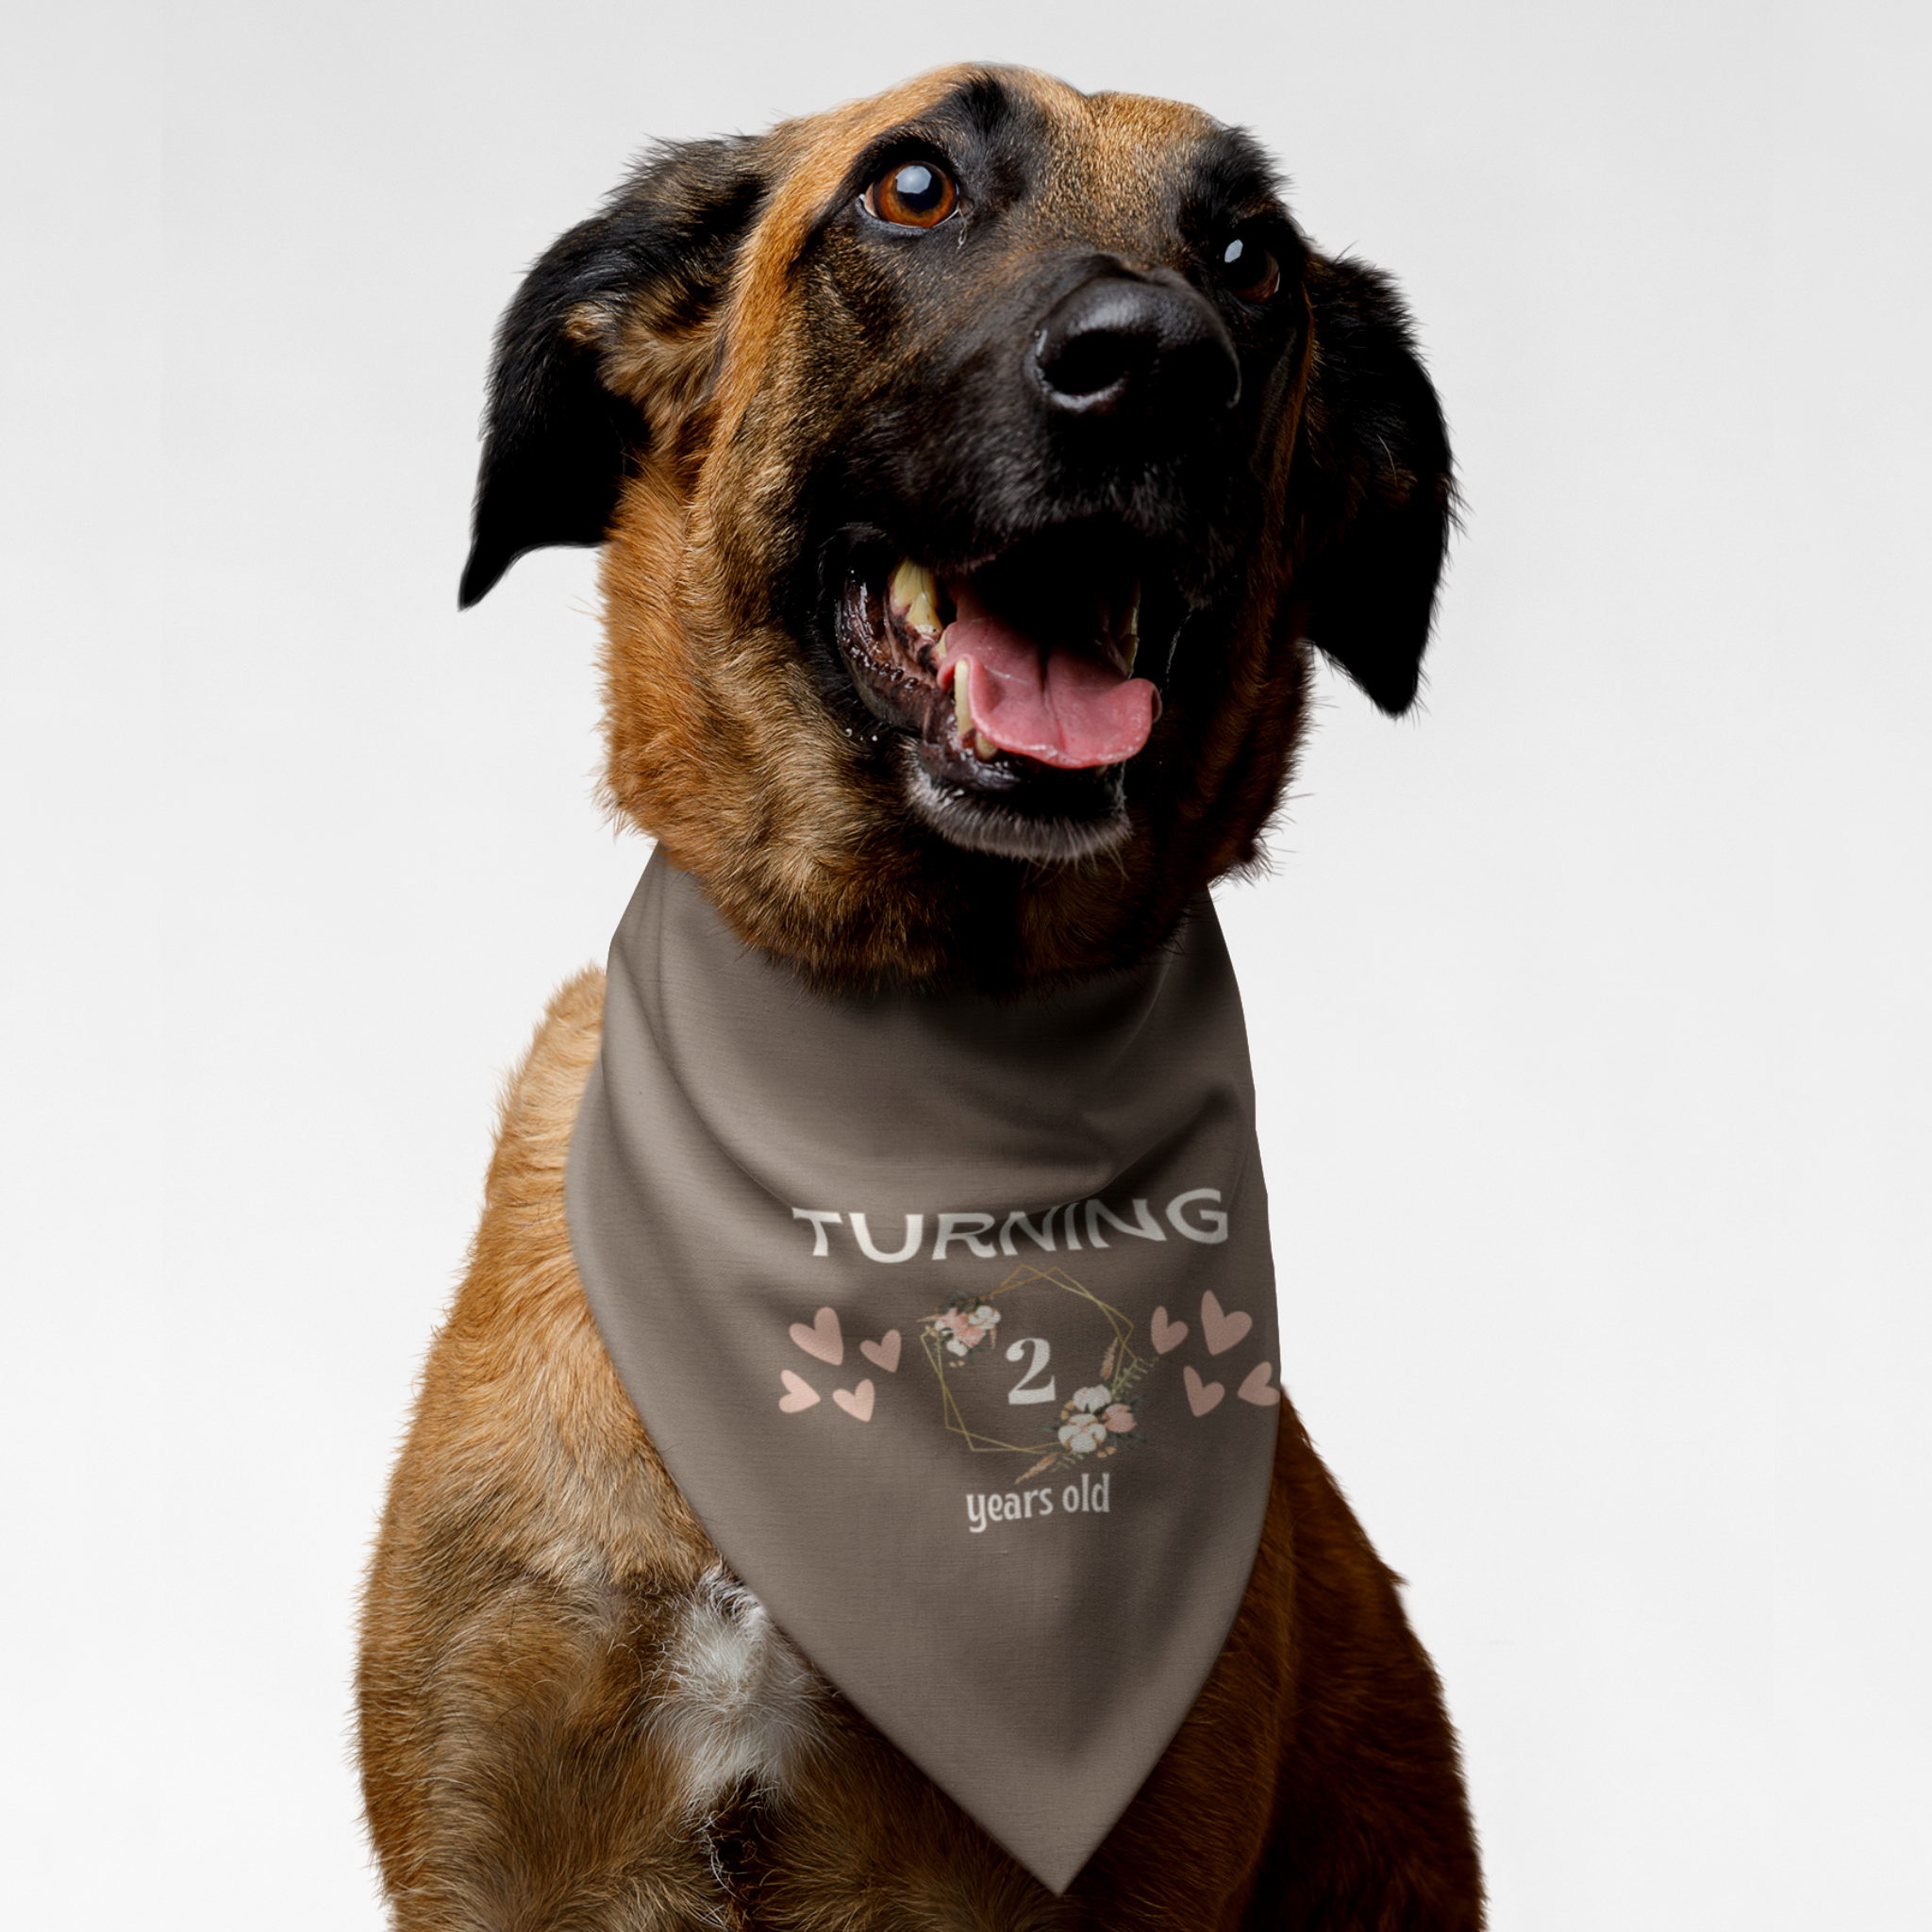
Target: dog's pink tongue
[1057,706]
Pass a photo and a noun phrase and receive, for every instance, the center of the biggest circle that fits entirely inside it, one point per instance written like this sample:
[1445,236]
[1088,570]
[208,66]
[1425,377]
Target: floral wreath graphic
[1099,1421]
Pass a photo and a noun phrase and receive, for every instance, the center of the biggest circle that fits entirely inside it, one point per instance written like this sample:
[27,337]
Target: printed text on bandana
[1021,1505]
[1194,1214]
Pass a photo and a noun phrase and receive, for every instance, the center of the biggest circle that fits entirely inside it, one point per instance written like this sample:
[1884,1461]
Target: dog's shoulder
[540,1097]
[521,1418]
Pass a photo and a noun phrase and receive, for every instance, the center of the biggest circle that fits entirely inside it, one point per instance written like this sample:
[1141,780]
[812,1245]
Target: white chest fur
[735,1704]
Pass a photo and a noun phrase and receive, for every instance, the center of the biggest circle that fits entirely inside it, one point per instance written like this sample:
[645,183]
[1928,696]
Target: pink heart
[1256,1389]
[799,1393]
[1167,1334]
[1201,1396]
[855,1401]
[885,1352]
[823,1338]
[1220,1332]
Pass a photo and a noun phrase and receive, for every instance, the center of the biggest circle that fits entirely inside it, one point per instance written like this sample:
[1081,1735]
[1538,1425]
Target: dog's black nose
[1119,345]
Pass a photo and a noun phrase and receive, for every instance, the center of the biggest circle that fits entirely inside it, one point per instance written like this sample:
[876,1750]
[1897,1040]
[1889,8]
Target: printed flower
[957,1331]
[962,1329]
[1094,1399]
[1118,1418]
[1082,1433]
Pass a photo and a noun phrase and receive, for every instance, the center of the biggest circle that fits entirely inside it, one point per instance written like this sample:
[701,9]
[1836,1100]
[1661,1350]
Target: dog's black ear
[1379,495]
[558,439]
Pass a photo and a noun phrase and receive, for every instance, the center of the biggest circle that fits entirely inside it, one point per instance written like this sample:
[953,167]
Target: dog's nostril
[1117,343]
[1080,366]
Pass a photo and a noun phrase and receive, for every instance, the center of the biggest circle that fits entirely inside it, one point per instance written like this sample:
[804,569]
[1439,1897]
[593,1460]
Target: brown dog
[981,340]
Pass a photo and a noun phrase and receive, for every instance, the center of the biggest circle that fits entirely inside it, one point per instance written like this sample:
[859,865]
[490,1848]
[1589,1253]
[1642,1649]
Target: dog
[980,344]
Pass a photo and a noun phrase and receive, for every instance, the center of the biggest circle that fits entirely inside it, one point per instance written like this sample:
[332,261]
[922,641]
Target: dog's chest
[736,1707]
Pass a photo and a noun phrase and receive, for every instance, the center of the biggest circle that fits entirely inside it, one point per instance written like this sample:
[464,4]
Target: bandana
[954,1320]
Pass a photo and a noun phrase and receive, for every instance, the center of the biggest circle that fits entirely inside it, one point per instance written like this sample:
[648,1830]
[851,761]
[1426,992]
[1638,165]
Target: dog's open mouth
[1012,686]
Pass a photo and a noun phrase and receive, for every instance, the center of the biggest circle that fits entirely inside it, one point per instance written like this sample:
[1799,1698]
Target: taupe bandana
[954,1320]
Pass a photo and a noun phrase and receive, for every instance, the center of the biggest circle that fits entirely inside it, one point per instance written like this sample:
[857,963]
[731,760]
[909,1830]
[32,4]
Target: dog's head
[974,465]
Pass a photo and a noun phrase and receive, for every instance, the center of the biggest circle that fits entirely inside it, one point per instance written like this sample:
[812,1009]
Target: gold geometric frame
[1118,1354]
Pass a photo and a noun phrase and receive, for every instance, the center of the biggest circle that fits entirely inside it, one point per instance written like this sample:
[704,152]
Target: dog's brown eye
[1250,270]
[915,194]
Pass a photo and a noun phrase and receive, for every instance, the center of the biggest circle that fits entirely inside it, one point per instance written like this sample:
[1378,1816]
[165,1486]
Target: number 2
[1023,1389]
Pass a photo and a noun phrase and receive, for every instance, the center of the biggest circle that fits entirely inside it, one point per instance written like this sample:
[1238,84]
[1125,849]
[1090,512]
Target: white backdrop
[1587,1005]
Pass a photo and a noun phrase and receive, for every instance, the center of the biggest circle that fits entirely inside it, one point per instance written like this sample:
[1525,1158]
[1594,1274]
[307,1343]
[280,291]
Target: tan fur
[570,1715]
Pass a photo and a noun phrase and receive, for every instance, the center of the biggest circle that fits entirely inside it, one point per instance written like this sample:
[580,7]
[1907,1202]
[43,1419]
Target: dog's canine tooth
[1130,632]
[915,591]
[970,738]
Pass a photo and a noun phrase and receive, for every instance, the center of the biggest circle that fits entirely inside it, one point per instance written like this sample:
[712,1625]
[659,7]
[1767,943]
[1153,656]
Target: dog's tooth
[962,705]
[983,747]
[915,591]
